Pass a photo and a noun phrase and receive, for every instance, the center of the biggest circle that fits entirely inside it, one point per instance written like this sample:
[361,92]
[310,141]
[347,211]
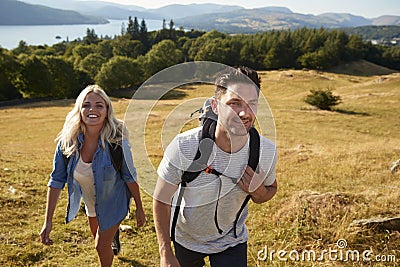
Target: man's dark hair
[231,75]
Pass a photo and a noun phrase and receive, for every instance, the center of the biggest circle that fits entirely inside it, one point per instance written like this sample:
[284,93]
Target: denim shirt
[112,194]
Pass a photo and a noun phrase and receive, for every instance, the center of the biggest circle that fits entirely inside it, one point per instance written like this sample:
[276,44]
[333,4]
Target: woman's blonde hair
[112,131]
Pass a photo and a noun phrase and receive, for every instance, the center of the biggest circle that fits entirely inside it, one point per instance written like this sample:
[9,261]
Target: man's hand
[253,184]
[252,181]
[169,260]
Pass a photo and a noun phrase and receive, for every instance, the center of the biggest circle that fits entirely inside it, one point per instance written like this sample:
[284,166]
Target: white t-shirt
[83,174]
[196,229]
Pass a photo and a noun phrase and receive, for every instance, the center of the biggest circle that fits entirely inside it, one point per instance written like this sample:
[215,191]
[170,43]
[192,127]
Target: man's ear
[214,105]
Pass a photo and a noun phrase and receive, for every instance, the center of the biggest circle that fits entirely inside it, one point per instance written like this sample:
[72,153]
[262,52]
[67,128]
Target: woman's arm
[52,199]
[140,216]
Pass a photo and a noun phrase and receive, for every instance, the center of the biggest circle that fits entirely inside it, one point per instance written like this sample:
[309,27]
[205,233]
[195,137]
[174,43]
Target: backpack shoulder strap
[66,159]
[203,153]
[116,155]
[198,165]
[254,157]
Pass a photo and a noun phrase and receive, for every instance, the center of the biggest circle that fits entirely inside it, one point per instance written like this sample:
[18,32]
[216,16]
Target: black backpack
[199,163]
[116,155]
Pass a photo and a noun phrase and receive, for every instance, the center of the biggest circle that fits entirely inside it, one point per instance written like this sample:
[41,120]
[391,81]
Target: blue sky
[365,8]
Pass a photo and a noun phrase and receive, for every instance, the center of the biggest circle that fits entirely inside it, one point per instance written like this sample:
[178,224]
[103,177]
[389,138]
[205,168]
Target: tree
[118,73]
[9,70]
[133,28]
[21,48]
[143,33]
[315,60]
[36,80]
[162,55]
[79,52]
[123,46]
[91,37]
[355,48]
[7,89]
[123,29]
[281,53]
[64,78]
[391,57]
[213,50]
[105,48]
[92,64]
[322,99]
[171,30]
[194,47]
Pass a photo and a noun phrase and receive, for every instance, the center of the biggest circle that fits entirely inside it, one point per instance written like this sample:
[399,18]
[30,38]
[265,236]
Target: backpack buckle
[209,170]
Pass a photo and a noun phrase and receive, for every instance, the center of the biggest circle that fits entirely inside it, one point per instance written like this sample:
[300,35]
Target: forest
[125,61]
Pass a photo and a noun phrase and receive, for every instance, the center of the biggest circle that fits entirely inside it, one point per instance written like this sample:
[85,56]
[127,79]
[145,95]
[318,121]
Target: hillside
[118,13]
[333,168]
[385,33]
[386,20]
[14,12]
[269,18]
[361,68]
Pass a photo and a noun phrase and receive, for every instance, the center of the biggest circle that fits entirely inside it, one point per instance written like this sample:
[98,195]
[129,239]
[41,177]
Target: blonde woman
[83,161]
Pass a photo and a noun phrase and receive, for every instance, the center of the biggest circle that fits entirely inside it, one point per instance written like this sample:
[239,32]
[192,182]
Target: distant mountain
[111,10]
[385,33]
[386,20]
[340,20]
[268,18]
[179,11]
[224,18]
[167,12]
[81,6]
[115,12]
[14,12]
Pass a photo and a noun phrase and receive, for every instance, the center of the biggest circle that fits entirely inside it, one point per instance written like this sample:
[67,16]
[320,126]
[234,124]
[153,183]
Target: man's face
[237,108]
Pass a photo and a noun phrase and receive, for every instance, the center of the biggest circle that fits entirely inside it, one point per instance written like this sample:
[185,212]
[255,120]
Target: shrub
[322,99]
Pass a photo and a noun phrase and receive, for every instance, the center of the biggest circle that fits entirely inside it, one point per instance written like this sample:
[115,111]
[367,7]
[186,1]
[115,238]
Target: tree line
[127,60]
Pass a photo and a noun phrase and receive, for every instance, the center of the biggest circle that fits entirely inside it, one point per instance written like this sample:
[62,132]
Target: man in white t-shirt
[209,224]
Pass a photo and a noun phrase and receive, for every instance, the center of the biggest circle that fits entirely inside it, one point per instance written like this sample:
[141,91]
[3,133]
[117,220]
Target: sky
[365,8]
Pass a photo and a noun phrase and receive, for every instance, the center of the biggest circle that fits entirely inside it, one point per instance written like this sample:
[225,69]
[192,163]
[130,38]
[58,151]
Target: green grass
[344,156]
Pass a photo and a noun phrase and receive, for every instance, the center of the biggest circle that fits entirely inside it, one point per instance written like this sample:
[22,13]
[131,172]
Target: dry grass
[334,167]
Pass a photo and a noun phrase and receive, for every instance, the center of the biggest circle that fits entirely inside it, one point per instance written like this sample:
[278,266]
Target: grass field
[333,168]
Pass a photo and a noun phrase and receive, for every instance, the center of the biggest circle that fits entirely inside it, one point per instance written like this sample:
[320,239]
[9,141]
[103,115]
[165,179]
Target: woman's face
[93,110]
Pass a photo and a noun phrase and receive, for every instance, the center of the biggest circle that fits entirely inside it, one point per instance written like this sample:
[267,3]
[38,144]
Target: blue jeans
[234,256]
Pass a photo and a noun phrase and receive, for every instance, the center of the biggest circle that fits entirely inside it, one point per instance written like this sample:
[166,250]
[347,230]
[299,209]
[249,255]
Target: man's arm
[253,184]
[162,213]
[264,193]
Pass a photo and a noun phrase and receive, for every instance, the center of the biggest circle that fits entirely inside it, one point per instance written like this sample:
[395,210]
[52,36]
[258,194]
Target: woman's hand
[45,234]
[140,217]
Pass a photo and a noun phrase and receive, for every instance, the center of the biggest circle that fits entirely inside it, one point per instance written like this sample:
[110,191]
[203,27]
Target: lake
[10,36]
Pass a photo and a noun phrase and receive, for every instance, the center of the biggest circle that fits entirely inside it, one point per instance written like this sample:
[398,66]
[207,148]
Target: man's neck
[229,142]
